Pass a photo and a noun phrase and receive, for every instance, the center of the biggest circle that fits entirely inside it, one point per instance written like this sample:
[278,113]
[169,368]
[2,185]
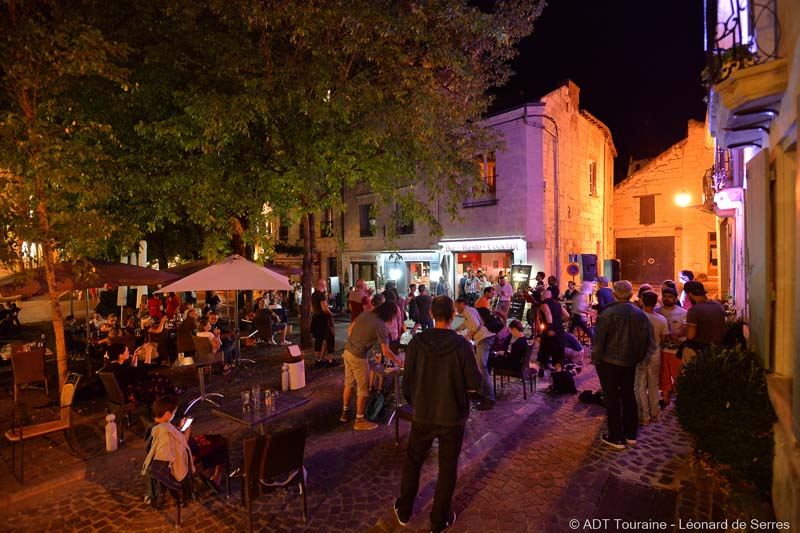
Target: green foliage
[722,401]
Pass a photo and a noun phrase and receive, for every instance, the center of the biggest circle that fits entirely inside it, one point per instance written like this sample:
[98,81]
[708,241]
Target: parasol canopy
[196,266]
[84,274]
[234,273]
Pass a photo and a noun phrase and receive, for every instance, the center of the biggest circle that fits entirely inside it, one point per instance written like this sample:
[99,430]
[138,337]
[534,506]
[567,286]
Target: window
[404,227]
[592,178]
[713,260]
[326,223]
[487,167]
[366,220]
[647,209]
[283,232]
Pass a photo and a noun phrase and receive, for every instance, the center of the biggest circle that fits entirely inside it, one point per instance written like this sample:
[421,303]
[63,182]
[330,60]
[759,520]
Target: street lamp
[683,198]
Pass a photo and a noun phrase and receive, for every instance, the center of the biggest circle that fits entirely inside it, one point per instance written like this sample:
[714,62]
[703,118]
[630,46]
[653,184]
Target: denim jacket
[623,335]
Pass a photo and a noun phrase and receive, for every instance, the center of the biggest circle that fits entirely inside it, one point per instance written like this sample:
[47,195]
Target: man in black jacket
[440,371]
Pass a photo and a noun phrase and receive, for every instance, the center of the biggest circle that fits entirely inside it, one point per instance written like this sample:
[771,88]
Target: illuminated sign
[483,245]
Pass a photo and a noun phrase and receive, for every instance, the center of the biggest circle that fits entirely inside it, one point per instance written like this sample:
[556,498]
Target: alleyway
[525,466]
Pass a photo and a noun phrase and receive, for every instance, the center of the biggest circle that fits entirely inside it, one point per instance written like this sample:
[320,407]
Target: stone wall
[679,169]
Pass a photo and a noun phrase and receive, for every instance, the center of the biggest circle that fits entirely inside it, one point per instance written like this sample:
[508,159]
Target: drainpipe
[557,212]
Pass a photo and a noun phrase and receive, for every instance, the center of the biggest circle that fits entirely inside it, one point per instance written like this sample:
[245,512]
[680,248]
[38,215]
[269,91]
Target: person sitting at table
[280,321]
[143,310]
[155,333]
[169,457]
[186,332]
[226,337]
[96,321]
[109,325]
[72,336]
[204,330]
[514,354]
[134,381]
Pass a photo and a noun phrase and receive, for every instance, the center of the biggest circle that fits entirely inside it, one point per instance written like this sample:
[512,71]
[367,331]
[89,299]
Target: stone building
[754,79]
[557,158]
[661,223]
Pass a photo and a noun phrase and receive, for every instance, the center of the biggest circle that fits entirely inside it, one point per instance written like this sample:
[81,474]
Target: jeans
[647,373]
[617,383]
[419,443]
[579,322]
[482,351]
[425,323]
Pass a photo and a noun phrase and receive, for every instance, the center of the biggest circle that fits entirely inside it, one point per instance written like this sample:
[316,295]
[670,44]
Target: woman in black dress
[322,325]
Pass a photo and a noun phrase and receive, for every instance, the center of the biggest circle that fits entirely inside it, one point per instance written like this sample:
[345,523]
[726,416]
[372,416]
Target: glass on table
[246,399]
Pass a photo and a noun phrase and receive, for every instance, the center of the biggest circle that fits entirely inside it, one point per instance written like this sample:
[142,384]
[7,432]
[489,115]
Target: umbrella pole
[88,338]
[236,332]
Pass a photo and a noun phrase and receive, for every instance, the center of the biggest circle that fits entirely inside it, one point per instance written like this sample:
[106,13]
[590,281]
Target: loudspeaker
[611,270]
[588,265]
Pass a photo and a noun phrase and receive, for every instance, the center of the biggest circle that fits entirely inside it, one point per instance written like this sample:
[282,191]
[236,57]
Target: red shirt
[154,306]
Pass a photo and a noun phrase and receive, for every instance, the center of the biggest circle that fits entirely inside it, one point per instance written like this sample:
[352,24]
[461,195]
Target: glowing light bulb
[683,199]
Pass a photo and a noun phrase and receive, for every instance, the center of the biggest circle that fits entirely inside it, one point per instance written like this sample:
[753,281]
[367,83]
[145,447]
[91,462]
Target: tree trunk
[308,274]
[58,320]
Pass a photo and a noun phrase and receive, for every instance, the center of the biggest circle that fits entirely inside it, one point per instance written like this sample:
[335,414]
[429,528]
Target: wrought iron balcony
[740,33]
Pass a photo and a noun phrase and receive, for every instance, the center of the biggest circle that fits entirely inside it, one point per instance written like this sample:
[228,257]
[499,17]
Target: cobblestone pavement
[525,466]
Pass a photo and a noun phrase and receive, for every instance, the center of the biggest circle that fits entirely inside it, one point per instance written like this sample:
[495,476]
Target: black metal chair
[528,377]
[117,402]
[273,462]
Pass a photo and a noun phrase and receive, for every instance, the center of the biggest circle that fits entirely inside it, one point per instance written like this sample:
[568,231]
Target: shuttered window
[647,210]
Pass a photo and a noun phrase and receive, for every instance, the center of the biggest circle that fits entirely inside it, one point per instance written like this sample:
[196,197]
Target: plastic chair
[117,402]
[28,368]
[276,457]
[524,373]
[20,433]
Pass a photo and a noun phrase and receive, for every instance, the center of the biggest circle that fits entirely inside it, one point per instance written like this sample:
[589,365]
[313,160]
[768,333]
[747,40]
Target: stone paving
[525,466]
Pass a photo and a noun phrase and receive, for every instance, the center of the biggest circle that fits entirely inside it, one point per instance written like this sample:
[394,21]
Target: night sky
[637,63]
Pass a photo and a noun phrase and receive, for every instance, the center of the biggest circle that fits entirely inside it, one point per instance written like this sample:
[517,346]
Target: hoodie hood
[439,341]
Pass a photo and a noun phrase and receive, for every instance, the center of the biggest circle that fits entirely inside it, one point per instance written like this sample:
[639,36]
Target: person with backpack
[440,374]
[483,339]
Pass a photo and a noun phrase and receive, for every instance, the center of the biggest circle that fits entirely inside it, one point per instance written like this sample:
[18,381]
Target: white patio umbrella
[234,273]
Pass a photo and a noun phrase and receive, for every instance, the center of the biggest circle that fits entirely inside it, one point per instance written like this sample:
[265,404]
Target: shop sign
[363,259]
[482,245]
[419,257]
[520,275]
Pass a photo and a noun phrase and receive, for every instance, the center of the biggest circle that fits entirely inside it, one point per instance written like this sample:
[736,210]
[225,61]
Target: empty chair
[20,433]
[272,462]
[28,368]
[117,402]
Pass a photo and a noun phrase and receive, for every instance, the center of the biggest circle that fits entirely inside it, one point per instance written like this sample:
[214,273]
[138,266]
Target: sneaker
[616,445]
[333,362]
[285,343]
[450,522]
[345,417]
[403,521]
[362,424]
[630,442]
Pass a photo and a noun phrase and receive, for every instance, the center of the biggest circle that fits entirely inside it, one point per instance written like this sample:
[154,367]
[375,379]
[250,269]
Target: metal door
[647,259]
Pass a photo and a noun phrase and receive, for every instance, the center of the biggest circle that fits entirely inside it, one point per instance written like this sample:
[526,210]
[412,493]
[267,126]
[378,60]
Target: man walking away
[647,371]
[440,371]
[484,339]
[423,302]
[622,340]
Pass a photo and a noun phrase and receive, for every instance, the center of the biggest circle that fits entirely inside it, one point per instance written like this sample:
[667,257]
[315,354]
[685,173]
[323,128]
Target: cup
[256,395]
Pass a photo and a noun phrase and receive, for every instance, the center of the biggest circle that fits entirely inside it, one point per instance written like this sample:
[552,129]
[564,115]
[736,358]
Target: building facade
[754,78]
[661,222]
[548,195]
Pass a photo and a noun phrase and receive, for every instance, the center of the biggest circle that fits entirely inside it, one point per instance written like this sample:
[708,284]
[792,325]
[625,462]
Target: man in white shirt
[647,372]
[504,294]
[483,339]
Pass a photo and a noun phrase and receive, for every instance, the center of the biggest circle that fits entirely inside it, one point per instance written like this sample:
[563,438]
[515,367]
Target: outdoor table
[258,415]
[204,396]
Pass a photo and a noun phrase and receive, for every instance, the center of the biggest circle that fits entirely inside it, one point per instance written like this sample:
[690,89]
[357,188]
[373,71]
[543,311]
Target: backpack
[376,408]
[564,383]
[492,322]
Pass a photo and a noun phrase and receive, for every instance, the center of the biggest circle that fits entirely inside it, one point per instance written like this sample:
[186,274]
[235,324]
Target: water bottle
[285,377]
[111,433]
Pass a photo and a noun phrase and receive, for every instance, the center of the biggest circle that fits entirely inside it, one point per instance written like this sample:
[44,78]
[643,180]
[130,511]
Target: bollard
[111,433]
[285,377]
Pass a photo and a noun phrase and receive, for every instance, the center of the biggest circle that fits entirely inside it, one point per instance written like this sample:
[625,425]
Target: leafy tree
[385,94]
[58,175]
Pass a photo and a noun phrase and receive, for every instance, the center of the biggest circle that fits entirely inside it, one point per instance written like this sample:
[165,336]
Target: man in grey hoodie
[440,372]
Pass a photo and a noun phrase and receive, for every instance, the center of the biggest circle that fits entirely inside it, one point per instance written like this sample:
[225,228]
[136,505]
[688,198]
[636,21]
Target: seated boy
[169,459]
